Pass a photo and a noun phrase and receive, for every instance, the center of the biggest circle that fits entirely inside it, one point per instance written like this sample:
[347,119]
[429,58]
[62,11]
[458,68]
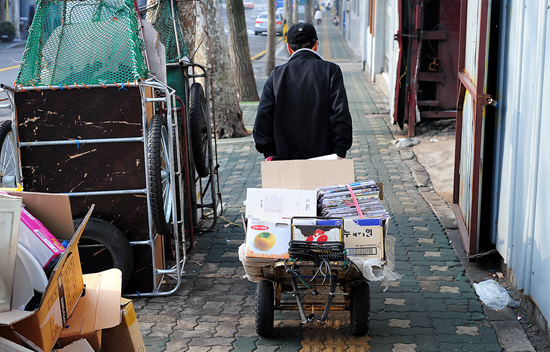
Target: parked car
[248,4]
[281,11]
[261,24]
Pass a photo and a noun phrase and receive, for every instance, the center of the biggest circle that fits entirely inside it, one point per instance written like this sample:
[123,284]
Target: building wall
[521,192]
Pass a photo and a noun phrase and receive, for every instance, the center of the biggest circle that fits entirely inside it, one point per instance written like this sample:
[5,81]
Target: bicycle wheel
[199,129]
[8,158]
[159,174]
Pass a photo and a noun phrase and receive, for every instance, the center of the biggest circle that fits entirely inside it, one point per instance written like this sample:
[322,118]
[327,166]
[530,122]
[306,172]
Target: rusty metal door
[470,121]
[426,79]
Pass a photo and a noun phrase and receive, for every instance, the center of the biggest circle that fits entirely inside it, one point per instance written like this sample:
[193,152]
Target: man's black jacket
[303,112]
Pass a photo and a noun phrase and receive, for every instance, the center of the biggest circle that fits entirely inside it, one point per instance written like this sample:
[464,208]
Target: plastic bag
[379,270]
[493,295]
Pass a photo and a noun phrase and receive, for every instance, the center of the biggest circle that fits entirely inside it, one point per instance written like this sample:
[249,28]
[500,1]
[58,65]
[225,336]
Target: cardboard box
[306,174]
[270,234]
[366,238]
[98,309]
[126,337]
[10,211]
[77,346]
[280,203]
[43,326]
[38,240]
[318,232]
[9,346]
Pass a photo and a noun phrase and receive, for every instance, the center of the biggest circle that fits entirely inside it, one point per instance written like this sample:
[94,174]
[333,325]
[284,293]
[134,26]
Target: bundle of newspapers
[353,201]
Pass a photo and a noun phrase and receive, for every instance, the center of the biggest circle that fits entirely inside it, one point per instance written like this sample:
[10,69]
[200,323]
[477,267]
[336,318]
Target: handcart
[316,279]
[90,119]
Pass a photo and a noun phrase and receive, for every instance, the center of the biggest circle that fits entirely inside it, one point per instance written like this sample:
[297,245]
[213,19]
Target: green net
[83,42]
[168,27]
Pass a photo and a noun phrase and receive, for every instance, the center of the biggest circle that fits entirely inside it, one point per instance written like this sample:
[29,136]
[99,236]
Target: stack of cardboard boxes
[75,312]
[289,189]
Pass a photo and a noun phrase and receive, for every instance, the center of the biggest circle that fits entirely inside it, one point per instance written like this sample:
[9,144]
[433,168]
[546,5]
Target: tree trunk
[287,5]
[308,16]
[271,38]
[187,15]
[240,52]
[212,51]
[295,15]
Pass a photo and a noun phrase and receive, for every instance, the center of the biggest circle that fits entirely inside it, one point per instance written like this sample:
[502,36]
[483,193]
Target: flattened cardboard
[98,309]
[125,337]
[44,205]
[306,174]
[280,203]
[9,346]
[10,212]
[65,285]
[77,346]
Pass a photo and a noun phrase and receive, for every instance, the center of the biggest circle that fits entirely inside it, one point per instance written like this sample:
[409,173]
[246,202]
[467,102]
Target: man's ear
[289,49]
[316,46]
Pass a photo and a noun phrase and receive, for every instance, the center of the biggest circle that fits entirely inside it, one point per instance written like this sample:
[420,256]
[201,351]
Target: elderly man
[303,112]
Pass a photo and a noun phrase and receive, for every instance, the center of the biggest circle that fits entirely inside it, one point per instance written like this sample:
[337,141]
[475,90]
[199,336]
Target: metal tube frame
[213,178]
[176,174]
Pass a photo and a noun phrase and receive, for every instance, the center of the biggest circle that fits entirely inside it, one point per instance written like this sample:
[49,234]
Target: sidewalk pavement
[433,307]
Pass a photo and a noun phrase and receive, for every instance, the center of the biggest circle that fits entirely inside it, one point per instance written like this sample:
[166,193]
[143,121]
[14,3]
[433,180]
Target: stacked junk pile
[310,230]
[108,146]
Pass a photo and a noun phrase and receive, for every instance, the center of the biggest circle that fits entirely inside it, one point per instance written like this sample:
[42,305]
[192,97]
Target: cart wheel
[265,295]
[7,157]
[159,174]
[198,124]
[360,309]
[98,236]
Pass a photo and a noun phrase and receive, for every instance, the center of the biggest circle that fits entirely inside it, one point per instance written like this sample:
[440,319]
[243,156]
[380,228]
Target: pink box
[38,240]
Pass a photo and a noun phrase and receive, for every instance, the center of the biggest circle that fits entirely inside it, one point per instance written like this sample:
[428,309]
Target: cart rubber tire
[265,296]
[360,309]
[119,252]
[7,157]
[200,139]
[159,174]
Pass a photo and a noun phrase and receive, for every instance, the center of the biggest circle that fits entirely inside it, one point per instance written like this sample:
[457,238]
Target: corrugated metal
[521,188]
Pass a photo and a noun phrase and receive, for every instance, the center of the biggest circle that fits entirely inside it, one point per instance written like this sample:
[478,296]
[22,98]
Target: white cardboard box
[270,234]
[366,238]
[280,203]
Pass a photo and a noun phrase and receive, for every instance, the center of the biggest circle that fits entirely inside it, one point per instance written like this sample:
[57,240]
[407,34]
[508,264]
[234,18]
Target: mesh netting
[169,29]
[83,42]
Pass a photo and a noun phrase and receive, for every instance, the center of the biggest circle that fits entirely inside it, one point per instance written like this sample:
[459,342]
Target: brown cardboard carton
[306,174]
[366,238]
[98,309]
[77,346]
[125,337]
[43,326]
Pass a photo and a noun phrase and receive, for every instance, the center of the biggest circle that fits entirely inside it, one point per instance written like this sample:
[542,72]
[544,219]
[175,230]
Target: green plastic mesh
[83,42]
[159,15]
